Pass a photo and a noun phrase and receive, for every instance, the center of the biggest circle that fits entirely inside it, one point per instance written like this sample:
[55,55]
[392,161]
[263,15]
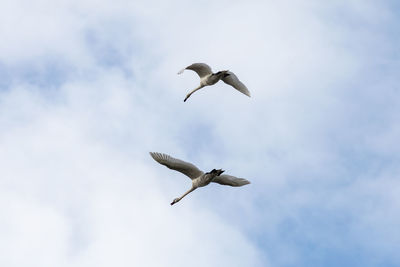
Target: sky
[88,88]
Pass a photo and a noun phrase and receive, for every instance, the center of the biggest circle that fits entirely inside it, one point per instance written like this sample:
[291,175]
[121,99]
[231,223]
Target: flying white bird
[207,77]
[199,178]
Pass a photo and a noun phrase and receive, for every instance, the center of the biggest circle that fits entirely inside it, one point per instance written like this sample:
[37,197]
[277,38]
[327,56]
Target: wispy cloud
[89,88]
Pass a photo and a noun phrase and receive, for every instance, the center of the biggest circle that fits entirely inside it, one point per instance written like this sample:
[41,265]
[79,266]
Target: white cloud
[67,192]
[313,139]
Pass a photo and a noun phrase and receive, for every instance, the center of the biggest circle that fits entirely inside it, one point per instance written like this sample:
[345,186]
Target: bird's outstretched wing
[230,180]
[176,164]
[201,69]
[233,80]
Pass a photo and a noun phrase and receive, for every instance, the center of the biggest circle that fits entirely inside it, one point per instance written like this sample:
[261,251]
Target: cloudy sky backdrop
[88,88]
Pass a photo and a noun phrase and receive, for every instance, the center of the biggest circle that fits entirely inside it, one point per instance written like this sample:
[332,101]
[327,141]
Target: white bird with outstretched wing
[199,178]
[207,77]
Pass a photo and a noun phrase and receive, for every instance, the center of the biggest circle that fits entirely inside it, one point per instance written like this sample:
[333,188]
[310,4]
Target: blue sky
[88,88]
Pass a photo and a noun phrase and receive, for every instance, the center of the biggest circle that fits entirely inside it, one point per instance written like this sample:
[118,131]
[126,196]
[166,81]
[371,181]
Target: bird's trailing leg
[217,172]
[179,198]
[188,95]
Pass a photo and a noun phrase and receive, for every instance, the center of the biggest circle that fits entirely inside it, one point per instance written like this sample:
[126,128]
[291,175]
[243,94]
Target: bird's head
[175,200]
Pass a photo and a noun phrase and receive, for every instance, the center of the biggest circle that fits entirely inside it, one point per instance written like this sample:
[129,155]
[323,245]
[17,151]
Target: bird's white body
[210,79]
[207,78]
[203,180]
[199,178]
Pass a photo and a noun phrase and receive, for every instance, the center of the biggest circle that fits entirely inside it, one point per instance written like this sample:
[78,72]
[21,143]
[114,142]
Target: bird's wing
[230,180]
[176,164]
[233,80]
[201,69]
